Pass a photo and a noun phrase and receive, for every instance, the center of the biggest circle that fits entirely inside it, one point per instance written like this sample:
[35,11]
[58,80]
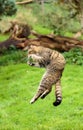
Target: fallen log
[8,43]
[59,43]
[19,34]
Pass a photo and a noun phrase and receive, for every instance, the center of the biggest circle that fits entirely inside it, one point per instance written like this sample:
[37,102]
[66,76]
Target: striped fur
[54,63]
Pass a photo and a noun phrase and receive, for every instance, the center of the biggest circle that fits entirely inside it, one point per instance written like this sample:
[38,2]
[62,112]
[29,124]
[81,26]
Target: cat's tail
[58,94]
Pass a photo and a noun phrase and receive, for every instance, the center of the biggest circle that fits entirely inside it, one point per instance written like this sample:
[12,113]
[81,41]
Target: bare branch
[24,2]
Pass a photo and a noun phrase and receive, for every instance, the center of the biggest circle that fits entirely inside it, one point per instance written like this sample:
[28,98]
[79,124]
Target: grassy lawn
[18,84]
[3,37]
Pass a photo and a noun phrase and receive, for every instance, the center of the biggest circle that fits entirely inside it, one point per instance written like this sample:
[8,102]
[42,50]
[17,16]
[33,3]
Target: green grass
[12,56]
[3,37]
[42,30]
[18,84]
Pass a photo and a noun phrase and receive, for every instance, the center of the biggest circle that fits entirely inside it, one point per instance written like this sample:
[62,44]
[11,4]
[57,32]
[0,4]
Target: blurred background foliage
[58,17]
[45,17]
[7,7]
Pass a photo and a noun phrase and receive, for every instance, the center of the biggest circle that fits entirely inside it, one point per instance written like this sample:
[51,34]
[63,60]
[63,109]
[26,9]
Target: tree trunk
[42,4]
[81,14]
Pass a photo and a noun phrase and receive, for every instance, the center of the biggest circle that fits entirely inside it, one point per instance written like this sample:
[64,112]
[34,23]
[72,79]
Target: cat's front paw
[32,101]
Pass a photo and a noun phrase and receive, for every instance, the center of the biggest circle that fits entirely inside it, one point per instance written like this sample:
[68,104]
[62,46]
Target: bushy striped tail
[58,94]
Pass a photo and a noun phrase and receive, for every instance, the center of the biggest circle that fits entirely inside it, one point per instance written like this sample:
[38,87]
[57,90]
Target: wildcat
[54,63]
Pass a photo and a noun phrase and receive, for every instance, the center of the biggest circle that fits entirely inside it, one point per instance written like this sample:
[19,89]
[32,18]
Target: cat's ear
[32,46]
[29,47]
[26,48]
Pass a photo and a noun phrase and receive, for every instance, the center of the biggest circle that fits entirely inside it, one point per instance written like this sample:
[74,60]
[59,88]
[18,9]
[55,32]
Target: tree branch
[24,2]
